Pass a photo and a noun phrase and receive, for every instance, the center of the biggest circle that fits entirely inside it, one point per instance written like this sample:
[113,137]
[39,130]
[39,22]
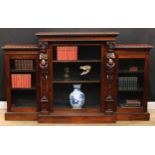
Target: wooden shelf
[76,81]
[70,110]
[22,89]
[124,106]
[22,71]
[128,72]
[136,90]
[78,61]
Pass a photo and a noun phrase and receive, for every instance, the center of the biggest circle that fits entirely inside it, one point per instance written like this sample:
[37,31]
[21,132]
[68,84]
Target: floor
[119,123]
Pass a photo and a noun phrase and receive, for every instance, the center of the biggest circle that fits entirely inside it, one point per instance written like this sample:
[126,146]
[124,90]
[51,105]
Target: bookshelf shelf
[23,89]
[76,81]
[128,72]
[78,61]
[115,84]
[22,71]
[136,90]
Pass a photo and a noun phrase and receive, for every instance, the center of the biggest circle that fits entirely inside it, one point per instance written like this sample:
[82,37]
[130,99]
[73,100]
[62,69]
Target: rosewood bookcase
[117,87]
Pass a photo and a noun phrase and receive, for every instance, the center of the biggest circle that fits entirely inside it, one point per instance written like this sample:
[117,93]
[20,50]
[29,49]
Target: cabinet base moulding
[77,119]
[133,116]
[21,116]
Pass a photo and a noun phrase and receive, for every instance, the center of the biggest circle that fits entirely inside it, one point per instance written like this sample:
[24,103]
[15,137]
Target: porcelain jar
[77,97]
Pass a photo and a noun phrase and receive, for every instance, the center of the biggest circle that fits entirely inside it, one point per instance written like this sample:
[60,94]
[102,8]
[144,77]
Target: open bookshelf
[131,82]
[86,55]
[23,82]
[113,78]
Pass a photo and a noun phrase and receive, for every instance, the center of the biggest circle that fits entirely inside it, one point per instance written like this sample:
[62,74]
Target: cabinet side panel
[8,82]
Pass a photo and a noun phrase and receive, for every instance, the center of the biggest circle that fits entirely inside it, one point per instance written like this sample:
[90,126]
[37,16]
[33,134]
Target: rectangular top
[133,46]
[20,47]
[76,36]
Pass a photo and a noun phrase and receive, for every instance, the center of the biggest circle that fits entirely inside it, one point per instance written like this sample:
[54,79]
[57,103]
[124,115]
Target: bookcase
[41,77]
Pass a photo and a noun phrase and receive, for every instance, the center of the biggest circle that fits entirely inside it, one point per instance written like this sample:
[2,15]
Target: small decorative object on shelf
[77,97]
[133,69]
[85,71]
[66,73]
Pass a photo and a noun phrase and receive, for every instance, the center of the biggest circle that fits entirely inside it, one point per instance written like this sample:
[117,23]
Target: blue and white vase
[77,97]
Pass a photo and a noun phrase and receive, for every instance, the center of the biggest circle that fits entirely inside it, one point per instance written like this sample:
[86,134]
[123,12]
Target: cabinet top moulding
[20,47]
[77,36]
[133,46]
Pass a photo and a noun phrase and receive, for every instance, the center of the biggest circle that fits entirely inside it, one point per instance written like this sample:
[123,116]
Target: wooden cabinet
[115,89]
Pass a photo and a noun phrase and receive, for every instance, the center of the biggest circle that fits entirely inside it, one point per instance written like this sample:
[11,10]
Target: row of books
[23,64]
[67,53]
[133,103]
[128,83]
[21,80]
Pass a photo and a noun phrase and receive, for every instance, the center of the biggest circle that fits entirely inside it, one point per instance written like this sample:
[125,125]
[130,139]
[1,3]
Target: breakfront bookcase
[117,87]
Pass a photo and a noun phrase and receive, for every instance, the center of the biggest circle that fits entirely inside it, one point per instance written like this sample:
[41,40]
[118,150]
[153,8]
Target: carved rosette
[43,65]
[110,69]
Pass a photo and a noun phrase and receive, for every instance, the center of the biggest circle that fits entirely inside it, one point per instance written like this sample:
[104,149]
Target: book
[21,81]
[23,64]
[133,103]
[67,53]
[128,83]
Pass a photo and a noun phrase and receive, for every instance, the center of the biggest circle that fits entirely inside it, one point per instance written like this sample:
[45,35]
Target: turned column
[43,78]
[109,79]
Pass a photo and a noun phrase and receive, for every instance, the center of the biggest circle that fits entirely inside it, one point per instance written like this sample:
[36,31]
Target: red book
[24,81]
[76,53]
[67,53]
[20,79]
[73,54]
[59,53]
[29,78]
[21,76]
[15,81]
[28,82]
[26,85]
[63,53]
